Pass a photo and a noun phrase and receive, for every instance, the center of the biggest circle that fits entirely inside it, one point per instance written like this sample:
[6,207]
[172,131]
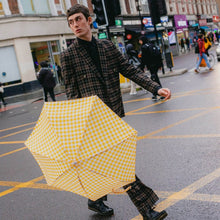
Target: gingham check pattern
[84,147]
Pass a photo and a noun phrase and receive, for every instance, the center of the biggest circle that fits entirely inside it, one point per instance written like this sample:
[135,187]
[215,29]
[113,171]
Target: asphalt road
[178,155]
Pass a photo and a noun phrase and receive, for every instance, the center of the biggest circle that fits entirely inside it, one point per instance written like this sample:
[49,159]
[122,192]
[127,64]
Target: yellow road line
[21,185]
[12,142]
[175,124]
[185,136]
[11,152]
[165,111]
[18,132]
[19,126]
[161,194]
[187,193]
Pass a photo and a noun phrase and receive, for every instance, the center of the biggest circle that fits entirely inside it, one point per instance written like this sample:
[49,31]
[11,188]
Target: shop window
[28,7]
[40,53]
[41,6]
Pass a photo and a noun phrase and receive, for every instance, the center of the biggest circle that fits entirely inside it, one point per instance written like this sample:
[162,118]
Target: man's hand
[165,92]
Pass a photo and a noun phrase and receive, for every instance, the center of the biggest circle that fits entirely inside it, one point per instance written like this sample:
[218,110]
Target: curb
[38,95]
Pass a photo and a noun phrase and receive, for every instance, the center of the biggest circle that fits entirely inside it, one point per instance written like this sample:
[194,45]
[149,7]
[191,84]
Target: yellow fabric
[208,43]
[82,146]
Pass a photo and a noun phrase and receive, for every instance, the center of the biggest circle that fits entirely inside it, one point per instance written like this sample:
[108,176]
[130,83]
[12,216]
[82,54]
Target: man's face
[80,26]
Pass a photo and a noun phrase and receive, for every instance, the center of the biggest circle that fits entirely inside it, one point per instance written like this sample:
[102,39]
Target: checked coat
[82,79]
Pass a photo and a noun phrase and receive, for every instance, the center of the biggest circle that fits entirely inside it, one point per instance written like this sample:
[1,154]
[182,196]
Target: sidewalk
[36,95]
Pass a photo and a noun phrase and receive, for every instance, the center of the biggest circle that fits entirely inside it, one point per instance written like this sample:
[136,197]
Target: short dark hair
[200,36]
[44,64]
[77,8]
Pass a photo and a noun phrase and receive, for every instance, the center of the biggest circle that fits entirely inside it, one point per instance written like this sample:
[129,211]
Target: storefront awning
[205,27]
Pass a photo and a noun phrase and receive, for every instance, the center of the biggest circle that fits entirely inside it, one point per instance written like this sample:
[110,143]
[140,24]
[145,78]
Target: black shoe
[162,98]
[100,208]
[153,215]
[154,98]
[5,103]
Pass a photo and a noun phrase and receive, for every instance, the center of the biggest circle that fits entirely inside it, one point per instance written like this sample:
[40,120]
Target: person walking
[188,44]
[152,59]
[47,81]
[207,45]
[1,95]
[132,56]
[91,67]
[202,53]
[182,44]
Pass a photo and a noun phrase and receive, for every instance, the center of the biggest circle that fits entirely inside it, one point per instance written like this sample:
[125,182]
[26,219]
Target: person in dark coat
[91,67]
[47,81]
[153,63]
[1,95]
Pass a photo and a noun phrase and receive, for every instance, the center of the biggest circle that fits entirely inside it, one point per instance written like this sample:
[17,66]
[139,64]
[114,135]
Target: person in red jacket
[202,53]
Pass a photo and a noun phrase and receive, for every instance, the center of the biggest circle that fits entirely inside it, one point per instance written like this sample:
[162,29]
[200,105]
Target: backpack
[153,51]
[134,60]
[196,47]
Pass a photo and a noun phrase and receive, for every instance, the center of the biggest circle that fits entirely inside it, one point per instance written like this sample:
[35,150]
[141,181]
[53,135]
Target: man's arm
[67,71]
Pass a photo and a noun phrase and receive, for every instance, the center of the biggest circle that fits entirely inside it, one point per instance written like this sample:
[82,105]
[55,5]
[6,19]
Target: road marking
[186,192]
[185,136]
[11,152]
[175,124]
[165,111]
[18,132]
[21,185]
[19,126]
[12,142]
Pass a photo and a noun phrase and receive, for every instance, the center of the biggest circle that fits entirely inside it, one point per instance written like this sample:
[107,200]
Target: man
[91,67]
[202,53]
[47,81]
[151,57]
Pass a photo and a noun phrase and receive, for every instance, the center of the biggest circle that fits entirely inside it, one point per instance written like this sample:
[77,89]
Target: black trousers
[51,92]
[154,75]
[2,98]
[142,196]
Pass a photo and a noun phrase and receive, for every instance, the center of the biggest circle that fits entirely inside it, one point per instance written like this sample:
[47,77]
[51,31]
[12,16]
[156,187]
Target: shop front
[46,51]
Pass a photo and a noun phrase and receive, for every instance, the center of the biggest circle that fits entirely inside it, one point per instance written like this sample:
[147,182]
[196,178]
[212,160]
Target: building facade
[36,30]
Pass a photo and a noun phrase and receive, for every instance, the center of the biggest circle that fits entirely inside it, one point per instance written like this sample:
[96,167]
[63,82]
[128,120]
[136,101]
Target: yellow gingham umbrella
[83,147]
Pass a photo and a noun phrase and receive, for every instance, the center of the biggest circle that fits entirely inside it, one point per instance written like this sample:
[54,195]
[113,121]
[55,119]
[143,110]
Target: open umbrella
[82,146]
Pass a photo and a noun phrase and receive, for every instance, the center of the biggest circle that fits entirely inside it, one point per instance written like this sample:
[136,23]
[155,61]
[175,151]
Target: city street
[178,155]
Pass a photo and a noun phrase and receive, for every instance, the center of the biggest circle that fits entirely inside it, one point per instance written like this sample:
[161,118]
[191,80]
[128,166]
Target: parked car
[218,52]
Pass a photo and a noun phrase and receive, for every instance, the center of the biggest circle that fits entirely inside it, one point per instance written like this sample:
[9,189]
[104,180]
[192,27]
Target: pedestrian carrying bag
[196,47]
[203,63]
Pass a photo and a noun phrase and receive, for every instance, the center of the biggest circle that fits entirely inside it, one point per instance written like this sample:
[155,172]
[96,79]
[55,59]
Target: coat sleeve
[133,73]
[69,77]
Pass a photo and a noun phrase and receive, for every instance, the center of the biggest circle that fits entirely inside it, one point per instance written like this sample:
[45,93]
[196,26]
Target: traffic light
[100,11]
[157,9]
[106,11]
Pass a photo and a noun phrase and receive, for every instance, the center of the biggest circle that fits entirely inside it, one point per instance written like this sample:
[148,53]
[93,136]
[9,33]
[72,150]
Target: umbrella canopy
[83,147]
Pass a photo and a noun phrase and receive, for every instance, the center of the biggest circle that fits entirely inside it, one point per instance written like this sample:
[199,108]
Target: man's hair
[200,36]
[77,8]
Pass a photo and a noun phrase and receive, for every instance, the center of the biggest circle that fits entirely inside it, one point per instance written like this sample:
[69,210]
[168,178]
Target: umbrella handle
[121,191]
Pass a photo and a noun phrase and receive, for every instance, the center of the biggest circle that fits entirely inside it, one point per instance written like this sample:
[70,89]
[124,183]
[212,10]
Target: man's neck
[86,38]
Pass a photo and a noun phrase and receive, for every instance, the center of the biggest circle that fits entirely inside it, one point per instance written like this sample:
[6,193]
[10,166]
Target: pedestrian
[152,59]
[182,44]
[188,43]
[58,69]
[202,53]
[132,56]
[47,81]
[91,67]
[208,45]
[2,94]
